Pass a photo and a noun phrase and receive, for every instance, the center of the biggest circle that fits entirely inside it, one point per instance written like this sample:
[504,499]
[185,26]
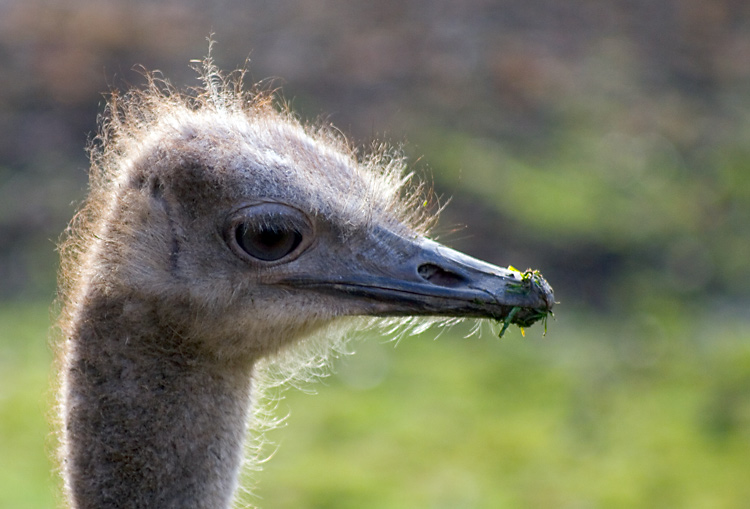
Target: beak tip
[534,298]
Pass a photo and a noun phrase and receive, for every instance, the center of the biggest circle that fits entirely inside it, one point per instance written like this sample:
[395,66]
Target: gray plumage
[218,231]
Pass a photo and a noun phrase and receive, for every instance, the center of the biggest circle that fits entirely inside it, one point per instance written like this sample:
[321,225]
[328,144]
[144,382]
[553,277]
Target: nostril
[439,276]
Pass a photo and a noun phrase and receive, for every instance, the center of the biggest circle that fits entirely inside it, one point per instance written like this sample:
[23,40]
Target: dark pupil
[267,243]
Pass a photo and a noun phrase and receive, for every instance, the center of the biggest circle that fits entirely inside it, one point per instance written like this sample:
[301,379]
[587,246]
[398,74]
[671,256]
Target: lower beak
[402,276]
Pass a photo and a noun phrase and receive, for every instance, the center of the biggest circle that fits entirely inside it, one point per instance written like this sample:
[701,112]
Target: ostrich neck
[151,420]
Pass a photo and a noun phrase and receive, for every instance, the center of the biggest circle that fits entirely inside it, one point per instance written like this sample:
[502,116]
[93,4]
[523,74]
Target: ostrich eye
[268,232]
[267,243]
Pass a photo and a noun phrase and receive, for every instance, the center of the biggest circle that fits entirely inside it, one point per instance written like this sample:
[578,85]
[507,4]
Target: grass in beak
[529,279]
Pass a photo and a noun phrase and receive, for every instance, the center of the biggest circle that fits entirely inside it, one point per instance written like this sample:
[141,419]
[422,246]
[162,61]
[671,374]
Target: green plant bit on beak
[506,322]
[529,279]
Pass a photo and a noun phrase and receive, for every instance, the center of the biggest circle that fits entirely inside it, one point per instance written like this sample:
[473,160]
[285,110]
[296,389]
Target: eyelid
[268,214]
[282,220]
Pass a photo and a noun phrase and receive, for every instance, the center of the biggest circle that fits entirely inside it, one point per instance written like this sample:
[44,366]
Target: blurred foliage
[26,399]
[649,412]
[605,143]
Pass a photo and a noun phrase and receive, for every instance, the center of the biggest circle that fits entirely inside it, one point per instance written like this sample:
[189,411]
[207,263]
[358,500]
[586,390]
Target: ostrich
[219,231]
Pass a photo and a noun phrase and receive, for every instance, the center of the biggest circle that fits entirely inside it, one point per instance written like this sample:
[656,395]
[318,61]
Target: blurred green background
[605,143]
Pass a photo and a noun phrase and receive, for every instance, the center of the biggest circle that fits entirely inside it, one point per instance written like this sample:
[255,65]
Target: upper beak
[397,276]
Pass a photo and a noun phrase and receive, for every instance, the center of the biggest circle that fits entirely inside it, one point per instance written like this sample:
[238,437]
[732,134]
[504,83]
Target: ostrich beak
[401,276]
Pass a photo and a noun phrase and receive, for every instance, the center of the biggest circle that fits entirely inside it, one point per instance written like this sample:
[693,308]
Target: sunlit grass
[652,411]
[26,478]
[597,414]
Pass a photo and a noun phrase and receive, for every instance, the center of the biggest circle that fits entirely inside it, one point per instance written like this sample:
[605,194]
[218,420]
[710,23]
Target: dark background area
[605,143]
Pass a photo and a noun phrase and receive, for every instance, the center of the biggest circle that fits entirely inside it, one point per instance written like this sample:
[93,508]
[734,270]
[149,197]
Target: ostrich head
[218,231]
[246,229]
